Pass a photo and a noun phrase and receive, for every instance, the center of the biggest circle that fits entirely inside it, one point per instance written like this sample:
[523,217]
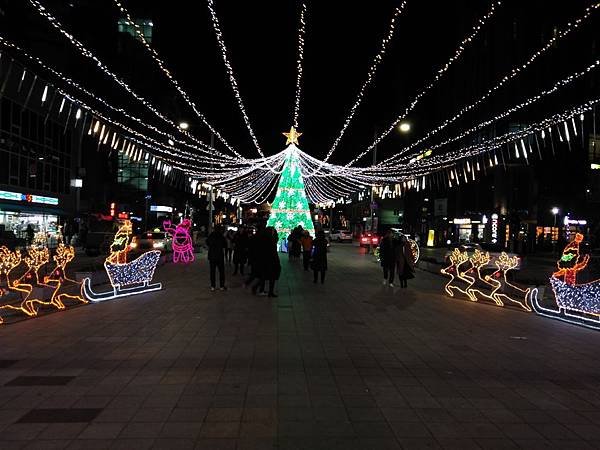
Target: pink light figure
[183,249]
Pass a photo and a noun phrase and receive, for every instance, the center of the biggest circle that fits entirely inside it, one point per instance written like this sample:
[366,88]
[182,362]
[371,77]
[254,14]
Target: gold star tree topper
[292,136]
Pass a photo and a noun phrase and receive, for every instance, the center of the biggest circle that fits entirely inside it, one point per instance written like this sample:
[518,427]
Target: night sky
[342,38]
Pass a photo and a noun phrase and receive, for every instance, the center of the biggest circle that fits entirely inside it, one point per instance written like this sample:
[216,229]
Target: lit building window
[144,25]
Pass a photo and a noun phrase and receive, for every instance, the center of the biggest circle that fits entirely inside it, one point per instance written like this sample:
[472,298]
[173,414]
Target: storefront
[19,210]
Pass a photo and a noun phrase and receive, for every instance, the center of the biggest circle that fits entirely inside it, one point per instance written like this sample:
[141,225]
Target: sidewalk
[346,365]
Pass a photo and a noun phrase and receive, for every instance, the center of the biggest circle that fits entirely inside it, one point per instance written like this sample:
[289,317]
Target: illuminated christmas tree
[290,207]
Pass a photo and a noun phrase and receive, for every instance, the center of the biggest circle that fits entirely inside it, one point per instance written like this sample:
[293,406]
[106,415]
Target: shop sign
[161,208]
[494,228]
[29,198]
[568,221]
[462,221]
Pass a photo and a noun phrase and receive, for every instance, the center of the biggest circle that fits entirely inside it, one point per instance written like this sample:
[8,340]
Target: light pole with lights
[554,212]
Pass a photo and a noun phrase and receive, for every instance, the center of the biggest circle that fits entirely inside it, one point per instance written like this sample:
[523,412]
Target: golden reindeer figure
[454,271]
[478,260]
[8,262]
[58,278]
[35,259]
[499,280]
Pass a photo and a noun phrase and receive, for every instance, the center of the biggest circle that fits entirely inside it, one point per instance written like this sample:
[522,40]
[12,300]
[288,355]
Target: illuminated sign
[430,238]
[494,228]
[112,209]
[161,208]
[29,198]
[595,166]
[462,221]
[123,215]
[568,221]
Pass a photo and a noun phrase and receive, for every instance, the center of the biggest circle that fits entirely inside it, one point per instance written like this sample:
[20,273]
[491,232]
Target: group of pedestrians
[314,251]
[396,258]
[241,249]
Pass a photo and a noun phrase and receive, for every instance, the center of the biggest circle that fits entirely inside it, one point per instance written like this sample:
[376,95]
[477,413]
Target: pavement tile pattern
[350,364]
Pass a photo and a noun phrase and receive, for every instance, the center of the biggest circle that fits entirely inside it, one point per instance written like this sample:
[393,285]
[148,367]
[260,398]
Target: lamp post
[555,212]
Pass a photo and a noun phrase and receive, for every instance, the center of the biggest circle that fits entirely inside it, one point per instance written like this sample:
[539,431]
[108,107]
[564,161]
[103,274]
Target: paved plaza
[346,365]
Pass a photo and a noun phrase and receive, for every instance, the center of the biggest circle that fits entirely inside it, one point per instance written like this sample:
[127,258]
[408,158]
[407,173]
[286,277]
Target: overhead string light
[230,73]
[514,72]
[377,59]
[558,85]
[514,138]
[441,71]
[173,81]
[90,55]
[299,60]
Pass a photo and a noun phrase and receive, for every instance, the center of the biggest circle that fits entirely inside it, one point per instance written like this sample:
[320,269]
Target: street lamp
[184,125]
[404,127]
[555,212]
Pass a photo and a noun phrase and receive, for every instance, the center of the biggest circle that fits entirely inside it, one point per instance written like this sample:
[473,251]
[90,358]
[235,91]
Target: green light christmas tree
[290,207]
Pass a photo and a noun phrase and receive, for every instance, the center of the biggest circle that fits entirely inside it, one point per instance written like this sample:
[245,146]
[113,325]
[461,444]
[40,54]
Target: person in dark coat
[216,257]
[253,259]
[269,259]
[319,264]
[240,251]
[387,257]
[405,264]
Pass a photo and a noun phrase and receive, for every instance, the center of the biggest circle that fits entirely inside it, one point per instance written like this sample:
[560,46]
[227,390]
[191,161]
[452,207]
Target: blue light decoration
[29,198]
[126,278]
[578,304]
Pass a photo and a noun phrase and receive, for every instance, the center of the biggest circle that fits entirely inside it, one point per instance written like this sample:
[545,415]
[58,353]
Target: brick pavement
[347,365]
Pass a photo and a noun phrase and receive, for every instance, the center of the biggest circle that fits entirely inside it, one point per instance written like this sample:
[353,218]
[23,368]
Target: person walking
[307,244]
[240,251]
[217,245]
[404,262]
[387,257]
[271,269]
[229,247]
[254,259]
[30,233]
[319,264]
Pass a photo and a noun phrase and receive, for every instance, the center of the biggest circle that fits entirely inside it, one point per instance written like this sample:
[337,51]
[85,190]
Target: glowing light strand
[455,57]
[515,71]
[88,54]
[173,81]
[299,60]
[230,73]
[377,59]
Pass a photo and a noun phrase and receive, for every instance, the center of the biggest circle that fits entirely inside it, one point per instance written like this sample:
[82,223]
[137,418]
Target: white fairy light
[299,60]
[515,71]
[173,81]
[88,54]
[230,73]
[459,51]
[369,79]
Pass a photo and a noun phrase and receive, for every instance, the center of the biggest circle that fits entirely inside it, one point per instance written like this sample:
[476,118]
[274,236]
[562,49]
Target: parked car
[341,236]
[369,239]
[151,240]
[493,249]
